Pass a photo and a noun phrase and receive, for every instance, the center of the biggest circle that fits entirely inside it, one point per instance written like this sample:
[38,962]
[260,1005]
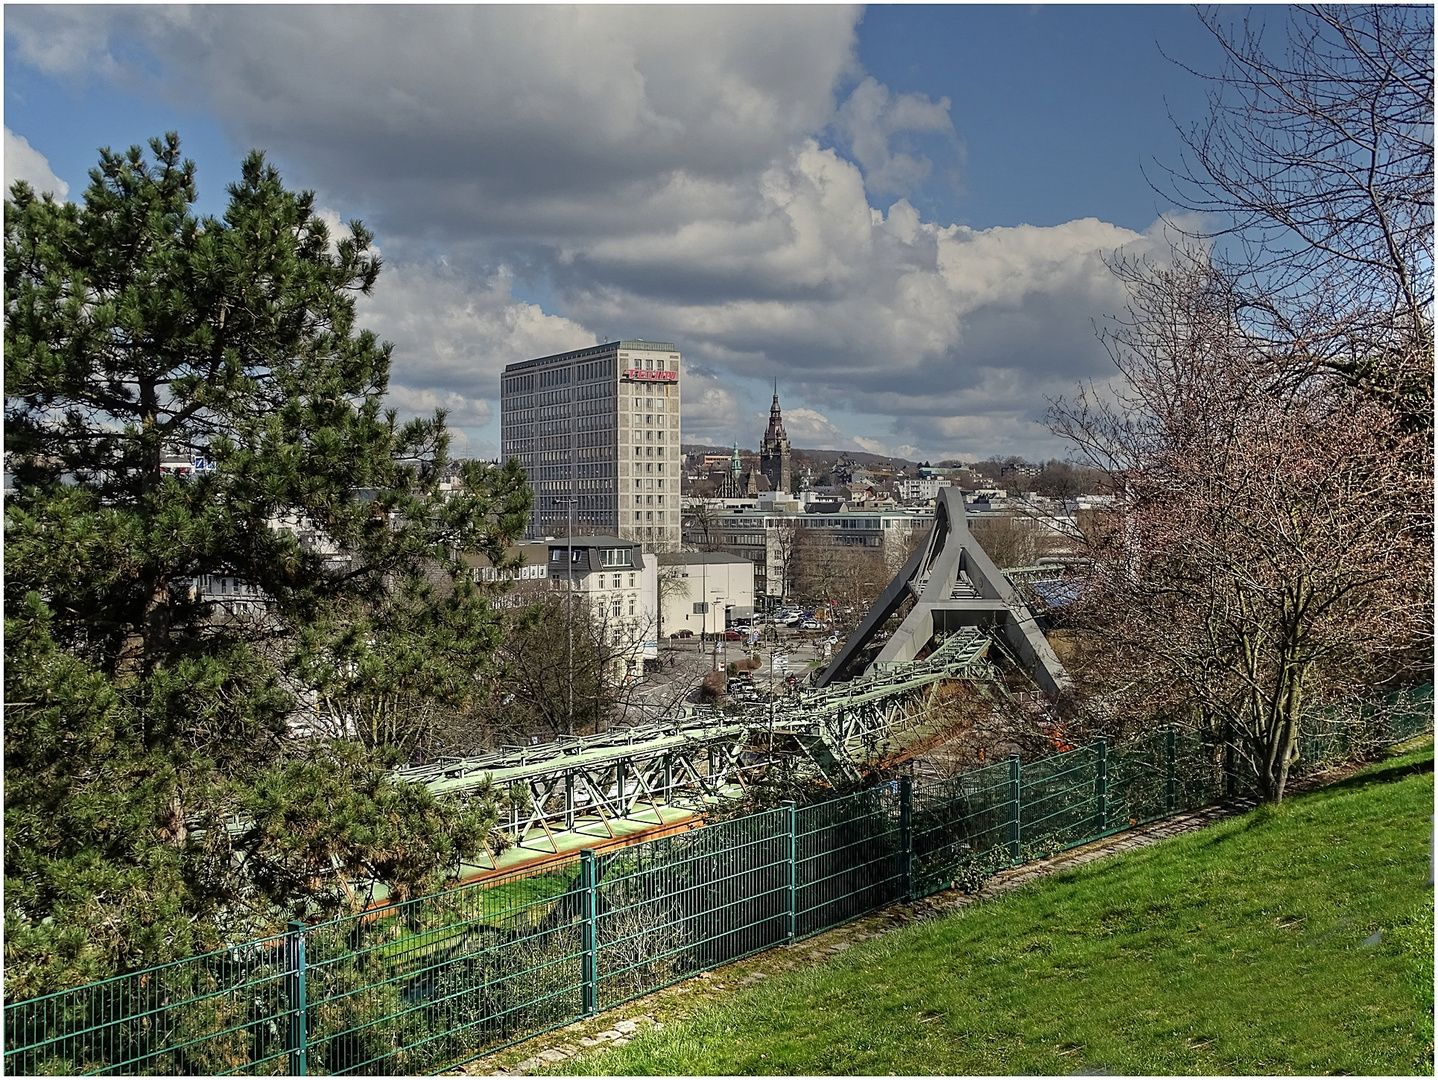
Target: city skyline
[902,214]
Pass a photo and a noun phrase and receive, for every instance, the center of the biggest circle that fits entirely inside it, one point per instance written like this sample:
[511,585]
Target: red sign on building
[651,376]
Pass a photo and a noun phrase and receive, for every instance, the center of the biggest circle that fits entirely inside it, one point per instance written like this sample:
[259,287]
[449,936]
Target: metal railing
[430,983]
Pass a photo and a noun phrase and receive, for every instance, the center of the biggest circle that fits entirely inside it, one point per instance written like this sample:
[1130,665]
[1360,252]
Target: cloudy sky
[902,214]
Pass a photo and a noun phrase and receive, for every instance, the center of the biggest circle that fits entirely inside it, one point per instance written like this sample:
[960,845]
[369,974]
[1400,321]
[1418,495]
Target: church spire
[774,460]
[776,419]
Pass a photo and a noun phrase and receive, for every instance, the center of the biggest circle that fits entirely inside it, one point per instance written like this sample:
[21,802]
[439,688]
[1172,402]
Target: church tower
[774,450]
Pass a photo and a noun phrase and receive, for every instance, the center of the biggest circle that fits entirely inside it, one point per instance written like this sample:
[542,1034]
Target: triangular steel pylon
[954,584]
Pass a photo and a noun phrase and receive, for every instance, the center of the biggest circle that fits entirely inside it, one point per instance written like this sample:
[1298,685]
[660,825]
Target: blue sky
[901,213]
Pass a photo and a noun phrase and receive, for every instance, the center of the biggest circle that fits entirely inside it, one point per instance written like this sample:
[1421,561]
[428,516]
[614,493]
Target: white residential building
[922,489]
[617,581]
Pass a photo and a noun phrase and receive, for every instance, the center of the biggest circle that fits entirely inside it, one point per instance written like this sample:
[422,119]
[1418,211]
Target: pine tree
[140,718]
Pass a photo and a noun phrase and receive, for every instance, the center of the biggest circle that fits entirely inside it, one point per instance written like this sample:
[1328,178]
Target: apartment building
[922,489]
[612,575]
[597,431]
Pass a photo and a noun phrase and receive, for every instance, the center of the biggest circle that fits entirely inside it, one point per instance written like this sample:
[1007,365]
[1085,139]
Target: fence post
[588,894]
[1171,756]
[906,837]
[1101,786]
[791,865]
[298,1040]
[1014,792]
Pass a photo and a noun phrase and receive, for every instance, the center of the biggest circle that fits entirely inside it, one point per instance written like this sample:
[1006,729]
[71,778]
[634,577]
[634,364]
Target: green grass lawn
[522,898]
[1295,940]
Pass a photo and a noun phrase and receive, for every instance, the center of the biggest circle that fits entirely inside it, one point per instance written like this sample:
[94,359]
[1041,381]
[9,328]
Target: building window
[631,605]
[631,581]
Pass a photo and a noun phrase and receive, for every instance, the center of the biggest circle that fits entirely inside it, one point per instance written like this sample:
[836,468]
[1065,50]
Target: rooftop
[608,348]
[695,558]
[589,541]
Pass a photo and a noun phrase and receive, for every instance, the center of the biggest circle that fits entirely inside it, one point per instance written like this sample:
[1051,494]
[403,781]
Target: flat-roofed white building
[699,589]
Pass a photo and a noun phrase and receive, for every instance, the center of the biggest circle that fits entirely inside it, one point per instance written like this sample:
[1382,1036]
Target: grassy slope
[1250,947]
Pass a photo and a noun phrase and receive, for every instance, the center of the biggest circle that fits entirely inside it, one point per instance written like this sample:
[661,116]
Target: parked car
[681,634]
[733,635]
[810,624]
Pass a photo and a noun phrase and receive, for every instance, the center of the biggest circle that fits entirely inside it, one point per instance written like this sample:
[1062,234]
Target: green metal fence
[432,982]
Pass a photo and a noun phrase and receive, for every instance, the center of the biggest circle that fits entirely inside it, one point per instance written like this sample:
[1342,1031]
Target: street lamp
[719,634]
[569,609]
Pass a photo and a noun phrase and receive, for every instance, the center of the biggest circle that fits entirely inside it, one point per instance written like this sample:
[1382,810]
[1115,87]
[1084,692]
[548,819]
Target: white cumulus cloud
[868,123]
[706,175]
[812,430]
[24,162]
[454,333]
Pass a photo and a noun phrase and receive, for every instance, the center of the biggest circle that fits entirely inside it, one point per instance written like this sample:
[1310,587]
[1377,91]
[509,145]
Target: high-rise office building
[597,430]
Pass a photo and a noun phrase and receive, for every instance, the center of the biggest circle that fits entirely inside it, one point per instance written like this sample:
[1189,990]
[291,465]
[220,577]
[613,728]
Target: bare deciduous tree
[1009,539]
[1316,162]
[847,577]
[1260,557]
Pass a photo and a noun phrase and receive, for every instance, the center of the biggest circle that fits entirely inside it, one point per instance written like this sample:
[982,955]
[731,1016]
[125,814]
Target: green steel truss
[703,755]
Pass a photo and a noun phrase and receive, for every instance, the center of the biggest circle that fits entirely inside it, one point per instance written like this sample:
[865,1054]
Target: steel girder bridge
[964,609]
[702,755]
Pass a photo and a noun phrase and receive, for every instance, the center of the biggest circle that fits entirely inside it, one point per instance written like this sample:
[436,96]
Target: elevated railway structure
[660,775]
[703,755]
[951,584]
